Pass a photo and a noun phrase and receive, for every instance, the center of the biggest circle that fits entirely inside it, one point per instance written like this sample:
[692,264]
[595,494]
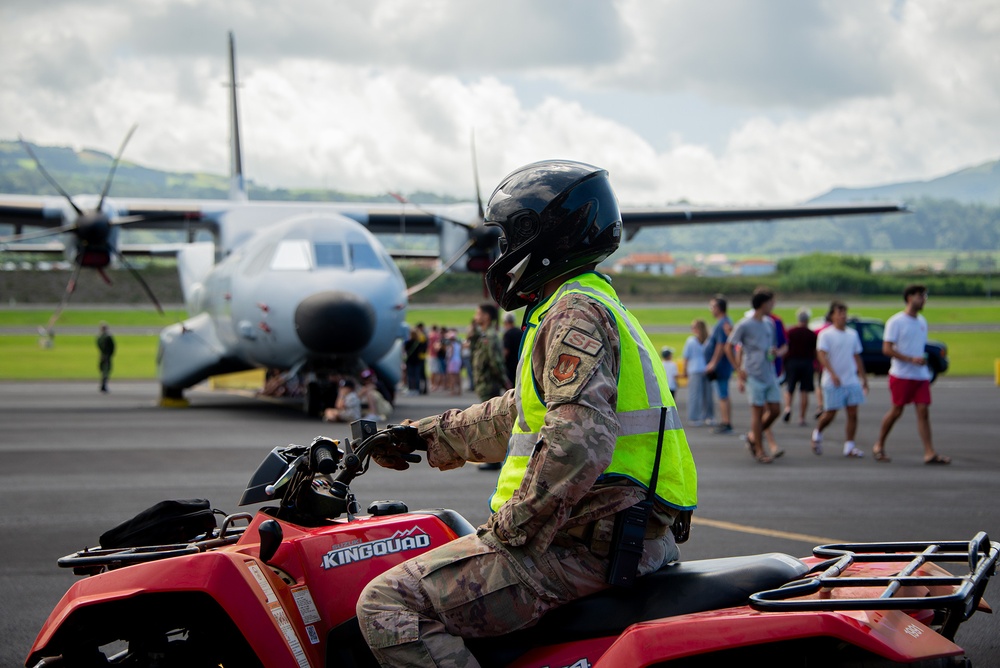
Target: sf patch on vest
[572,363]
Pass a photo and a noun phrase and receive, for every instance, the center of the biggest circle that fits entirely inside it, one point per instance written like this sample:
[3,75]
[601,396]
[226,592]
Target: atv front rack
[90,561]
[979,555]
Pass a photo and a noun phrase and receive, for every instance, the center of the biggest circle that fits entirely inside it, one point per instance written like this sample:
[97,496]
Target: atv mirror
[270,539]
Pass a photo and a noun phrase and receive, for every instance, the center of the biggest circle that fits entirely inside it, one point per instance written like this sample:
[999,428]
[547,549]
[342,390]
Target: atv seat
[679,588]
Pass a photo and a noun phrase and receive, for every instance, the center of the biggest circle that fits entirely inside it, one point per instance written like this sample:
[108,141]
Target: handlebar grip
[412,458]
[326,463]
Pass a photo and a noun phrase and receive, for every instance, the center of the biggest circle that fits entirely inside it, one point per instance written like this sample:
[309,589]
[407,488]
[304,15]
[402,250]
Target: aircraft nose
[335,322]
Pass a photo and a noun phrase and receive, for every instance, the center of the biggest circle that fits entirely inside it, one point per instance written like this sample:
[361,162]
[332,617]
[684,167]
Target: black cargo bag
[167,523]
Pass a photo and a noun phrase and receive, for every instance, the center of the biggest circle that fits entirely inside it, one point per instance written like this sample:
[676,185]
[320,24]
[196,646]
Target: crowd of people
[772,363]
[483,360]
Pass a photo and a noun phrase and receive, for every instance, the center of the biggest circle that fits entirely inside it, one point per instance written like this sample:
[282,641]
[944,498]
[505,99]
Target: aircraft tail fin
[237,184]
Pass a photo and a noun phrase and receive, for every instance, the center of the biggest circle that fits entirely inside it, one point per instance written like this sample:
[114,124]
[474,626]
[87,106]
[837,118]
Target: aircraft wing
[635,219]
[51,212]
[19,210]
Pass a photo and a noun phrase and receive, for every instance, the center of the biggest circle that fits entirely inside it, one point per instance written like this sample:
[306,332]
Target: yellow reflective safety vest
[642,390]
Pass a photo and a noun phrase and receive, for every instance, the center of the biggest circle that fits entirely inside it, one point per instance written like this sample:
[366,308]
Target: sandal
[879,456]
[761,458]
[854,452]
[938,459]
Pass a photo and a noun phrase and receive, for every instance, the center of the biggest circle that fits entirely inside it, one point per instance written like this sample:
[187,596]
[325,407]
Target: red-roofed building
[648,263]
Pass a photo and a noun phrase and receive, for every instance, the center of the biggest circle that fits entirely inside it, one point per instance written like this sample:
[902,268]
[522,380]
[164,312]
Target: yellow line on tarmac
[743,528]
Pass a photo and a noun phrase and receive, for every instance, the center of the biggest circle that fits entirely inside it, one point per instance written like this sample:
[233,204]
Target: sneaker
[817,442]
[787,416]
[723,429]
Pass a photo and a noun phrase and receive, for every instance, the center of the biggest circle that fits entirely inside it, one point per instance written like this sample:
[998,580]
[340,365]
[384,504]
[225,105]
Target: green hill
[957,213]
[974,185]
[85,171]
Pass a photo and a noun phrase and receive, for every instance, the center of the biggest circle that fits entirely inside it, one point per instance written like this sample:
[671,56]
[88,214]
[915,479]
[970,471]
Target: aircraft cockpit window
[329,255]
[363,256]
[293,255]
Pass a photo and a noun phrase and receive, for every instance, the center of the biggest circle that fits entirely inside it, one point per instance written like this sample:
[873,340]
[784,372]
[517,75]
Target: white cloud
[787,99]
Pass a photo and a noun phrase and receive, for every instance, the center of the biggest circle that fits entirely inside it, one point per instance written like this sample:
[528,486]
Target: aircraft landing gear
[312,400]
[172,397]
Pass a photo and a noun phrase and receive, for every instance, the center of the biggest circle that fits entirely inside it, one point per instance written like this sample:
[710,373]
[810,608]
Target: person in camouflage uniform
[549,543]
[488,370]
[106,348]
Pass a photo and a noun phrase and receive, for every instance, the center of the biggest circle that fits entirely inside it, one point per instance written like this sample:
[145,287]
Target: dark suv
[871,330]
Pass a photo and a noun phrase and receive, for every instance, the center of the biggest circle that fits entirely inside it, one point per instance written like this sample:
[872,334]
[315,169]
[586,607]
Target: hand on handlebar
[406,437]
[395,451]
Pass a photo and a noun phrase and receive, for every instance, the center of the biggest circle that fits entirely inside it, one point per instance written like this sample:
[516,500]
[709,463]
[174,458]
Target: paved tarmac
[74,463]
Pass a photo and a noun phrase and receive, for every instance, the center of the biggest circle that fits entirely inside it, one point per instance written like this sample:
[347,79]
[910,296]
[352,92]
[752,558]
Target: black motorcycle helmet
[554,216]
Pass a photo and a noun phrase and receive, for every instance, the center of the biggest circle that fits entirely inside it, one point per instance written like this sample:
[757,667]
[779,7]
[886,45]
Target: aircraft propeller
[93,232]
[481,245]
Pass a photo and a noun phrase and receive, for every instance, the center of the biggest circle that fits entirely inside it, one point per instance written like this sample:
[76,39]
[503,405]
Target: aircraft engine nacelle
[190,352]
[484,249]
[335,321]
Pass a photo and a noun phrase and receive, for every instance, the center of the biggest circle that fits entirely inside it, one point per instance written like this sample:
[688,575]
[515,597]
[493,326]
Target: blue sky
[714,102]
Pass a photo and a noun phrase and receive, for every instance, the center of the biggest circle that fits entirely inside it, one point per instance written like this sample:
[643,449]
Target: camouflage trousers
[417,613]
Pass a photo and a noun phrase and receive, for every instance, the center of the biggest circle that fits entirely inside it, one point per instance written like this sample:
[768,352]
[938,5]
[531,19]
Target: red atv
[280,590]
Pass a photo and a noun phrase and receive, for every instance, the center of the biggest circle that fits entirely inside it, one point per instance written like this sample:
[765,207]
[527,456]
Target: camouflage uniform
[545,547]
[488,370]
[106,348]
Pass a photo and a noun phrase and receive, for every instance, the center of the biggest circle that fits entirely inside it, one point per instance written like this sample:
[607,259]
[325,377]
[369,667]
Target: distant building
[756,267]
[661,264]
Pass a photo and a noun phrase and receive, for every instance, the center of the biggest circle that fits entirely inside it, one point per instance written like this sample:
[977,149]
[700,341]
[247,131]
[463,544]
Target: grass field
[74,357]
[939,311]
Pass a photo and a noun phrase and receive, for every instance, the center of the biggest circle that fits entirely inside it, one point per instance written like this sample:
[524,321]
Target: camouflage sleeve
[477,434]
[575,361]
[497,363]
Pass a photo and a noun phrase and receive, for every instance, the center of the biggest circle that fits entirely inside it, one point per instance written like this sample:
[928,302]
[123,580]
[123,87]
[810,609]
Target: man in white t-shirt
[844,382]
[904,341]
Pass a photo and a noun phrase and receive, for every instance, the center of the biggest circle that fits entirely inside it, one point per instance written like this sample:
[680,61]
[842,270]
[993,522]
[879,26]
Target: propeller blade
[138,277]
[70,289]
[48,177]
[445,267]
[38,234]
[475,176]
[114,166]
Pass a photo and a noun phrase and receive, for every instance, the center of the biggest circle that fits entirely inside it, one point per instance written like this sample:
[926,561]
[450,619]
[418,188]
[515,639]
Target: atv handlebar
[326,456]
[313,481]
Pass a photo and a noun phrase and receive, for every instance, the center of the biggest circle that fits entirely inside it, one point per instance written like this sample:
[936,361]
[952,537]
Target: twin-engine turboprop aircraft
[303,289]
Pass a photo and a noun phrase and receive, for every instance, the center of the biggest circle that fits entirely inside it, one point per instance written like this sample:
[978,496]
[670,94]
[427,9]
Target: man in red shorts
[909,378]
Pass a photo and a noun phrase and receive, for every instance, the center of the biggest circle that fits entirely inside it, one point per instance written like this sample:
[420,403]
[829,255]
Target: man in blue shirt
[717,362]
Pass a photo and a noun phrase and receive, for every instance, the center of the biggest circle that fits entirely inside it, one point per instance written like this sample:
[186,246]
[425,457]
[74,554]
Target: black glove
[407,438]
[395,451]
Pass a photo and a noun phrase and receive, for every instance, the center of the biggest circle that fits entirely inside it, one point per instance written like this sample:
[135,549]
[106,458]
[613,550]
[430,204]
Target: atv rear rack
[979,555]
[91,561]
